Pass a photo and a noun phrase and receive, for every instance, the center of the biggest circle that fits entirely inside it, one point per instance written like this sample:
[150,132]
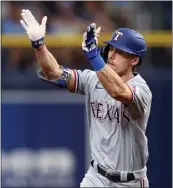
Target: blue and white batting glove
[35,31]
[90,41]
[90,46]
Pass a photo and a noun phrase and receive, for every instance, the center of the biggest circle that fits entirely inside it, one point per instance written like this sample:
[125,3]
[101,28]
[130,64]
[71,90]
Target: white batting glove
[34,30]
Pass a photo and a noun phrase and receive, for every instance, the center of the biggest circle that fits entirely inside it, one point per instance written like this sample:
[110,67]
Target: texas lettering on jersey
[104,111]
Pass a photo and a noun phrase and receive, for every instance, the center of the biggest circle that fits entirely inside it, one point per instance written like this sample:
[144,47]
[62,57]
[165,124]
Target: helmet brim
[119,46]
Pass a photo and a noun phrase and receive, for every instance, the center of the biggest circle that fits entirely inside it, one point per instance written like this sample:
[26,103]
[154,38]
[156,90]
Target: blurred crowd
[73,17]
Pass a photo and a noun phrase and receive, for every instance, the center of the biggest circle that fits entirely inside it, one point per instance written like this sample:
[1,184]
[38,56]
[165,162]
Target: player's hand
[35,31]
[90,41]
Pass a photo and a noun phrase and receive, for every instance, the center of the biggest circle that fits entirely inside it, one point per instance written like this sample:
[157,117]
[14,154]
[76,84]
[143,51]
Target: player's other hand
[35,31]
[90,41]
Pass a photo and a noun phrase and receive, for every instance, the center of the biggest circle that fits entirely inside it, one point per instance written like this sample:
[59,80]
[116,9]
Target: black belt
[114,177]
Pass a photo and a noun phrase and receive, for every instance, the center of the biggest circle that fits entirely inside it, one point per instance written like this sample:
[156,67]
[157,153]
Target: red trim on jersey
[134,88]
[75,81]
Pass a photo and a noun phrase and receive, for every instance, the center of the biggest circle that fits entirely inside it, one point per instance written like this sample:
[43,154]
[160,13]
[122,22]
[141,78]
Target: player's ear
[135,61]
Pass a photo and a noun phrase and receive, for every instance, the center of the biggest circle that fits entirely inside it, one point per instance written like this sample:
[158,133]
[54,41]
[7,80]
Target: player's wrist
[41,47]
[38,43]
[92,54]
[97,62]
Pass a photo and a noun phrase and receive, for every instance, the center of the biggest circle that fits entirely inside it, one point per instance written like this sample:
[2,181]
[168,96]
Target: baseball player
[118,101]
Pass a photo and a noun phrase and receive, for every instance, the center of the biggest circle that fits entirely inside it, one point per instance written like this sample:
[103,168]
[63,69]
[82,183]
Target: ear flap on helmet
[104,52]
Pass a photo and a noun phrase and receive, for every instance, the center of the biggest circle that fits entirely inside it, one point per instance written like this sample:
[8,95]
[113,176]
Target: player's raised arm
[49,70]
[118,69]
[107,76]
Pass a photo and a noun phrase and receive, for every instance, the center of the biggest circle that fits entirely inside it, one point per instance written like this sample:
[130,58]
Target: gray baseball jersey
[117,132]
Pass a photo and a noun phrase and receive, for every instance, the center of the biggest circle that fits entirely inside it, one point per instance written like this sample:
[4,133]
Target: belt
[114,177]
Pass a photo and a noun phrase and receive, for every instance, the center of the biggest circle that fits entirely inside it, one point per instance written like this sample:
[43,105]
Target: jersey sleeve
[83,80]
[141,102]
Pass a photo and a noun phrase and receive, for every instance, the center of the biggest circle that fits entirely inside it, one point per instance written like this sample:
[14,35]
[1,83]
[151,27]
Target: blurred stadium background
[44,131]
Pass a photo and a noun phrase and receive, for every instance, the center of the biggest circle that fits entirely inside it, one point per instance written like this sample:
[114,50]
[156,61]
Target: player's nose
[113,54]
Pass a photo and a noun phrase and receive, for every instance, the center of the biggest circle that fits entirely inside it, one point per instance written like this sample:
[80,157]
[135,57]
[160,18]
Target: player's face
[121,62]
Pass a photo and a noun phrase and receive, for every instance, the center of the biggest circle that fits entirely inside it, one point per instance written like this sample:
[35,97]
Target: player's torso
[111,129]
[105,108]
